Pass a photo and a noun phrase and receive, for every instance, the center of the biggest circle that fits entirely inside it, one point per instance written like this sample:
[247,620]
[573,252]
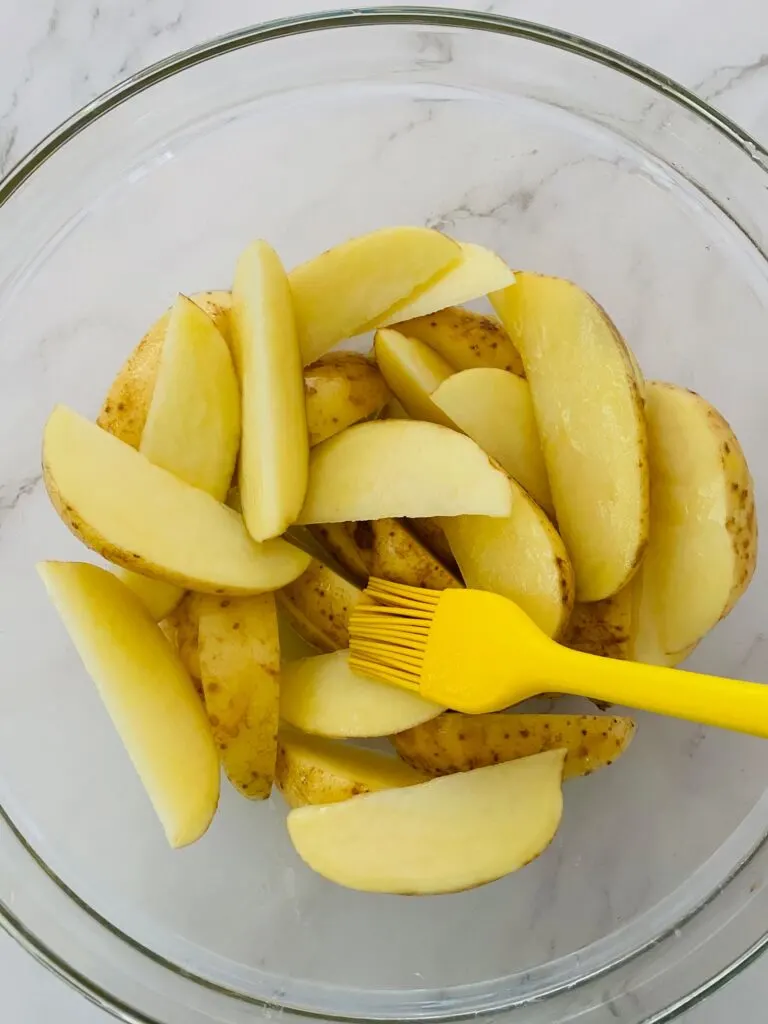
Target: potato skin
[465,339]
[603,627]
[124,411]
[318,605]
[181,627]
[398,555]
[458,743]
[341,388]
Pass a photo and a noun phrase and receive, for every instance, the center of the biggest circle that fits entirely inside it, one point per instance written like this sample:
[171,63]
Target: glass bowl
[566,158]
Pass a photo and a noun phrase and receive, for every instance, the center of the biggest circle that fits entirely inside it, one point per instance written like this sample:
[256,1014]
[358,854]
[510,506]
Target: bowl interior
[558,164]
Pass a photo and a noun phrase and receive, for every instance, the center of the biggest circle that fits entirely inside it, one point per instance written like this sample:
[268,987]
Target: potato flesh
[465,339]
[392,468]
[239,654]
[141,517]
[148,694]
[589,411]
[412,371]
[311,770]
[318,606]
[520,557]
[323,696]
[275,445]
[446,835]
[703,540]
[460,743]
[479,272]
[340,292]
[494,408]
[340,389]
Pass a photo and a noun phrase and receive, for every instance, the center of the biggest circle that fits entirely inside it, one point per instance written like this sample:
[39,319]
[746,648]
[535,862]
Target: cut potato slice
[350,544]
[239,667]
[390,468]
[311,770]
[160,599]
[446,835]
[465,339]
[141,517]
[459,743]
[340,389]
[432,536]
[413,371]
[589,409]
[645,642]
[494,408]
[146,691]
[479,272]
[182,628]
[318,606]
[604,627]
[703,541]
[125,408]
[193,423]
[339,293]
[398,555]
[274,455]
[322,695]
[520,557]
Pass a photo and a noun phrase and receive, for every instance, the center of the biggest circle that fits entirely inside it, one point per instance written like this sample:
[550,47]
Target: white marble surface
[55,55]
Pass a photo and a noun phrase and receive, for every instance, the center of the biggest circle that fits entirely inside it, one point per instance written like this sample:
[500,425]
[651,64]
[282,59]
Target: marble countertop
[56,55]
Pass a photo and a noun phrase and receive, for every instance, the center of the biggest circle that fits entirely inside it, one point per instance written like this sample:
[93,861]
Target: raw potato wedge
[645,643]
[318,606]
[460,743]
[432,536]
[312,770]
[494,408]
[239,667]
[604,627]
[193,422]
[182,628]
[589,410]
[445,835]
[149,696]
[479,272]
[323,696]
[465,339]
[143,518]
[274,453]
[521,557]
[340,389]
[398,555]
[391,468]
[413,371]
[339,293]
[703,542]
[125,408]
[350,544]
[160,599]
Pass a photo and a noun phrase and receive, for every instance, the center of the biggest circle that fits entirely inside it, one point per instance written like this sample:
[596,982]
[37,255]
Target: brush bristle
[388,639]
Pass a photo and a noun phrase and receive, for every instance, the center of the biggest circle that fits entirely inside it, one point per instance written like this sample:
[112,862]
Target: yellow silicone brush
[475,652]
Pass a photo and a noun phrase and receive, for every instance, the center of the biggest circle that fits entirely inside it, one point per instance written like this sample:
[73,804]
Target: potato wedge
[146,691]
[521,557]
[182,628]
[350,544]
[445,835]
[323,696]
[589,410]
[479,272]
[160,599]
[494,408]
[459,743]
[144,518]
[312,770]
[432,536]
[124,411]
[398,555]
[239,654]
[391,468]
[193,422]
[703,541]
[318,605]
[604,627]
[645,641]
[339,293]
[465,339]
[340,389]
[412,371]
[274,452]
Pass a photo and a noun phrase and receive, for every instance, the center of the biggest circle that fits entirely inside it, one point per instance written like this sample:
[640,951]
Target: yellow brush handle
[728,703]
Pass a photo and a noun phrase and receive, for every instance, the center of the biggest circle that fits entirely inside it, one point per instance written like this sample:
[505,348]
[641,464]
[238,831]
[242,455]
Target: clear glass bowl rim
[428,17]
